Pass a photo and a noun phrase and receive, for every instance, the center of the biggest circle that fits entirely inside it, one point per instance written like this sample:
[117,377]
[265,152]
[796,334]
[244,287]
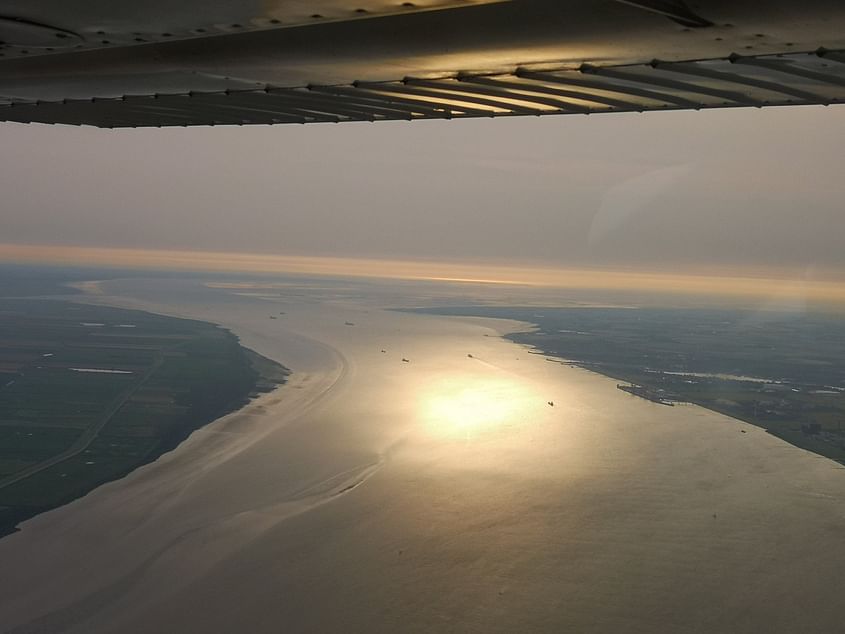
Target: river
[420,473]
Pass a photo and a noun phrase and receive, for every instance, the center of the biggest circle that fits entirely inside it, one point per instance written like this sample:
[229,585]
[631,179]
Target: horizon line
[749,282]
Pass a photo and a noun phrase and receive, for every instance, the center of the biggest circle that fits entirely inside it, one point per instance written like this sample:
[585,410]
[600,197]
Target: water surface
[441,493]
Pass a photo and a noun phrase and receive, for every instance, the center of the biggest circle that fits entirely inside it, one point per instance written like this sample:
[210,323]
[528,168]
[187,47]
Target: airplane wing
[125,63]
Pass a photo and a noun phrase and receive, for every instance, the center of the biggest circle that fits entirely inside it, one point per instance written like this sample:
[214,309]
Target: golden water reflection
[464,406]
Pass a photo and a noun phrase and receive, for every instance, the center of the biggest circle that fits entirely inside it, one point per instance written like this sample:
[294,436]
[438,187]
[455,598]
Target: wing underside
[425,66]
[817,78]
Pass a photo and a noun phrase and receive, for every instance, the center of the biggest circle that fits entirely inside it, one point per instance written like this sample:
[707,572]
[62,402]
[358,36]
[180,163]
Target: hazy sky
[659,190]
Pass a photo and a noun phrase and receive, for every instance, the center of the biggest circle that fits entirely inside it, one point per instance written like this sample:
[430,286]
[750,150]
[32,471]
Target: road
[88,436]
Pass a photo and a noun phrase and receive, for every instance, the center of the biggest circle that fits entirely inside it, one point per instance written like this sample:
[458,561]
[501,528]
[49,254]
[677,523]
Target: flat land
[782,371]
[89,393]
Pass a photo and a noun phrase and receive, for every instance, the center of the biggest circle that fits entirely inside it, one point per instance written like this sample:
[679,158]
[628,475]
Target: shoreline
[812,445]
[363,477]
[157,489]
[269,376]
[803,442]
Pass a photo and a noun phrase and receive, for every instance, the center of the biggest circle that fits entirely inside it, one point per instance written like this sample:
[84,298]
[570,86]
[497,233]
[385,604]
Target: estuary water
[421,474]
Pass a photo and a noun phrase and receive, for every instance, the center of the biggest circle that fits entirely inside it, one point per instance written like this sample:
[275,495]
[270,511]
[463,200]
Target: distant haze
[734,189]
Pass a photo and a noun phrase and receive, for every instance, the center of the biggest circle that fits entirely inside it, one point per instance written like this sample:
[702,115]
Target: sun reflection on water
[466,406]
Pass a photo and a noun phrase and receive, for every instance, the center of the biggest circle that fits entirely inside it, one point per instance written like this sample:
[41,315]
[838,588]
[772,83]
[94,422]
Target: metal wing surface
[125,63]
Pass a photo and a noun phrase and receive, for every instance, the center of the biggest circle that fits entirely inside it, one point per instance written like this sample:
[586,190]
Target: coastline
[354,481]
[268,375]
[802,442]
[157,489]
[513,331]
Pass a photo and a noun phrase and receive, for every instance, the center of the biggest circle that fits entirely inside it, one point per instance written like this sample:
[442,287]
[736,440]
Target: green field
[783,371]
[89,393]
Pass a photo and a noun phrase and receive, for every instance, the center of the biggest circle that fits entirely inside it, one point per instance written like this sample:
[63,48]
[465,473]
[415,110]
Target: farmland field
[89,393]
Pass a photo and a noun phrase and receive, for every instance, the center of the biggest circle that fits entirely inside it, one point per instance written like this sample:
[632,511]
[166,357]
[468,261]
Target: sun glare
[464,407]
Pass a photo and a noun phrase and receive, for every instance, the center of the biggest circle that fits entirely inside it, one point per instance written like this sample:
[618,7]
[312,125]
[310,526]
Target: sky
[727,190]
